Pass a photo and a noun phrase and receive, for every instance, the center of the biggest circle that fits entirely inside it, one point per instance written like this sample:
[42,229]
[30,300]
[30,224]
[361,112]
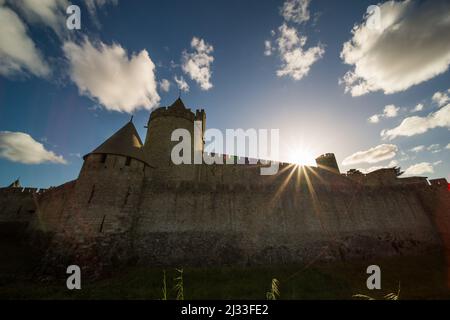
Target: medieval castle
[131,203]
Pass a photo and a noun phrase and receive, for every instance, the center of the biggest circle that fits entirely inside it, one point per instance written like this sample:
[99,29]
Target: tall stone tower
[109,185]
[158,145]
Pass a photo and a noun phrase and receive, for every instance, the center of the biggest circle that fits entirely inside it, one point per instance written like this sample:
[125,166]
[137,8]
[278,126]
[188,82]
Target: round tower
[109,185]
[158,145]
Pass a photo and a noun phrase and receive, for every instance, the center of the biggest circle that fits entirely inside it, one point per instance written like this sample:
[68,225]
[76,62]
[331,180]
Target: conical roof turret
[15,184]
[178,104]
[125,142]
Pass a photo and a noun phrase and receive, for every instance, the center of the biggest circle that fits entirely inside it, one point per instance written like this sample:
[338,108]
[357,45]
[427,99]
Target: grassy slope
[420,277]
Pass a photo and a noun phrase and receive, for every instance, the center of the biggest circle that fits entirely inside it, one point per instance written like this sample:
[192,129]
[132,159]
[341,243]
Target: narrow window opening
[103,159]
[101,225]
[92,194]
[128,161]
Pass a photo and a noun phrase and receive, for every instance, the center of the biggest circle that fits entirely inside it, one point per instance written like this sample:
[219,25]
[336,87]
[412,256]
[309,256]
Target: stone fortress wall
[284,221]
[136,204]
[18,204]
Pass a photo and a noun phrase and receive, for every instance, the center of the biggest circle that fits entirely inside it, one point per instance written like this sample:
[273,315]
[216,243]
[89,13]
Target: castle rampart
[18,204]
[258,224]
[131,202]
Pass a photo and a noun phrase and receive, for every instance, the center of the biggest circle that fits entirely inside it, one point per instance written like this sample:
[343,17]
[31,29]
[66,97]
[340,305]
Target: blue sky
[62,106]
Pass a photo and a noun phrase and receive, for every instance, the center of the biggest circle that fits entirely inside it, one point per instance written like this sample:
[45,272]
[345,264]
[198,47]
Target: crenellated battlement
[178,109]
[23,190]
[170,112]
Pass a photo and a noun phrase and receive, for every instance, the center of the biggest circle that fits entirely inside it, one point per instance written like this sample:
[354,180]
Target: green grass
[420,278]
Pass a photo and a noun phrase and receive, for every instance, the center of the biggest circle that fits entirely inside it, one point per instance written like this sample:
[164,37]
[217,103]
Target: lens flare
[301,156]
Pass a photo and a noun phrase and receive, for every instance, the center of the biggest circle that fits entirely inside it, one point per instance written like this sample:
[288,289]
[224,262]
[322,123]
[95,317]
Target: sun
[301,156]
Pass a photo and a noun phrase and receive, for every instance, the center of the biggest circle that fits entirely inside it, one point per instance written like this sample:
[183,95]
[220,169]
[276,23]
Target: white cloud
[94,5]
[389,111]
[107,74]
[437,163]
[392,163]
[373,155]
[374,119]
[268,48]
[371,169]
[417,108]
[414,125]
[164,84]
[198,63]
[18,52]
[296,61]
[434,148]
[418,148]
[411,46]
[77,155]
[21,147]
[404,155]
[419,168]
[441,98]
[296,11]
[51,13]
[181,83]
[448,146]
